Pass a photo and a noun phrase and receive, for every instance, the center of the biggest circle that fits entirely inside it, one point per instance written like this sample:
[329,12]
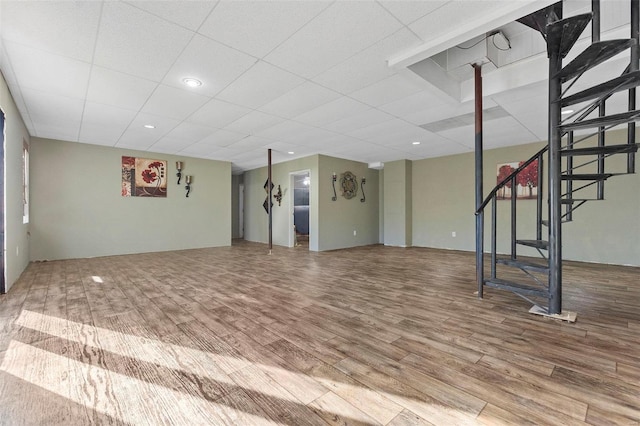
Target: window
[25,182]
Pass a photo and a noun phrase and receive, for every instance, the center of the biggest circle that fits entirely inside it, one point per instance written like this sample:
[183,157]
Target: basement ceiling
[299,77]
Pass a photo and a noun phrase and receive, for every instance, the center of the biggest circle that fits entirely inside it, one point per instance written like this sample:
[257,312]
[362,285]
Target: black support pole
[514,198]
[480,215]
[269,203]
[633,66]
[539,199]
[595,37]
[555,186]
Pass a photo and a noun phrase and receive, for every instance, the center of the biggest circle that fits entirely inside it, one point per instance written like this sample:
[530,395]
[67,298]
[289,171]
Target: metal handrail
[508,178]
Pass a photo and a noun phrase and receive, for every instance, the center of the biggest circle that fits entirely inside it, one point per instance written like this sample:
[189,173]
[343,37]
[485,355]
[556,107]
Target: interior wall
[339,219]
[443,202]
[256,225]
[78,210]
[236,180]
[397,203]
[16,232]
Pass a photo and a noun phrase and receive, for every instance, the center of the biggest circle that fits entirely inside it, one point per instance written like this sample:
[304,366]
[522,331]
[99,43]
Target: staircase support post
[555,186]
[633,66]
[269,203]
[478,169]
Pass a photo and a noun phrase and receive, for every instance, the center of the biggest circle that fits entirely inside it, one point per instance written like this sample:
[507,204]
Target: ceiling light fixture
[290,152]
[416,143]
[149,126]
[567,111]
[192,82]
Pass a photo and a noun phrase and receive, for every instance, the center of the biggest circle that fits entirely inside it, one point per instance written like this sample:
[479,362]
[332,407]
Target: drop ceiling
[299,77]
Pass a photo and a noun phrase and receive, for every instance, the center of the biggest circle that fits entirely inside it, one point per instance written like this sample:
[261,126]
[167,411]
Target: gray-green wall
[398,222]
[16,232]
[331,223]
[339,219]
[443,202]
[78,210]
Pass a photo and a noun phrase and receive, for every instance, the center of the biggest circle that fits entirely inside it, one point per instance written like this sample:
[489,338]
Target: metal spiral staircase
[566,155]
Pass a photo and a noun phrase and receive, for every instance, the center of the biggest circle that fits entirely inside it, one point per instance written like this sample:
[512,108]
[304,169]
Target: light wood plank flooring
[371,335]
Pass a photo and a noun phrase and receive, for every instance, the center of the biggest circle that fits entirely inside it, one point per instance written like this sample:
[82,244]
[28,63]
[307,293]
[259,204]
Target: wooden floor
[372,335]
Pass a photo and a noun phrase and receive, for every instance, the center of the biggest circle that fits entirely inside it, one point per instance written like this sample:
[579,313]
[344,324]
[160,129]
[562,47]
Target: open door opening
[301,183]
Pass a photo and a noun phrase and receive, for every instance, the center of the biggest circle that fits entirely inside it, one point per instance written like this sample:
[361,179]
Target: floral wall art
[142,177]
[526,180]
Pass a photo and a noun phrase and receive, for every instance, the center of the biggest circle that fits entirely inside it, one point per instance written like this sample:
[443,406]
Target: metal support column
[539,199]
[595,37]
[269,203]
[555,187]
[633,66]
[478,146]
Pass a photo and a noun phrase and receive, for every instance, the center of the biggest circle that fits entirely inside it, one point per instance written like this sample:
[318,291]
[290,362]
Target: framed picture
[143,177]
[526,181]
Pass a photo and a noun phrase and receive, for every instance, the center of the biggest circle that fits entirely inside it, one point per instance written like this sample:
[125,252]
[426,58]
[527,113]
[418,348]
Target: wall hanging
[349,185]
[179,167]
[362,182]
[334,177]
[526,182]
[278,196]
[188,179]
[266,200]
[142,177]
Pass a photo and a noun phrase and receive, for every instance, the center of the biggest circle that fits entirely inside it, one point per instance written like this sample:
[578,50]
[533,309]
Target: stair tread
[608,120]
[515,287]
[523,264]
[593,55]
[538,19]
[541,244]
[546,222]
[563,34]
[577,200]
[595,150]
[618,84]
[587,176]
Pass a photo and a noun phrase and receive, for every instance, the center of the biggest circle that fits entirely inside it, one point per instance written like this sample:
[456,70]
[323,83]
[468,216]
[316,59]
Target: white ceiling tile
[47,72]
[189,14]
[442,20]
[340,31]
[253,122]
[368,66]
[409,11]
[251,143]
[358,121]
[257,27]
[285,130]
[137,42]
[118,89]
[216,113]
[332,111]
[222,138]
[54,115]
[299,100]
[214,64]
[173,103]
[190,132]
[261,84]
[104,124]
[198,149]
[139,137]
[66,28]
[387,90]
[411,104]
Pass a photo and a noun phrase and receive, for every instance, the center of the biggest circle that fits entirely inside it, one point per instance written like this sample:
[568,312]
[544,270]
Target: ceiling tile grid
[304,77]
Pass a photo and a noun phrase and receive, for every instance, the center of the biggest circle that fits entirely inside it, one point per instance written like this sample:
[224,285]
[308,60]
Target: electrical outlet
[453,234]
[355,233]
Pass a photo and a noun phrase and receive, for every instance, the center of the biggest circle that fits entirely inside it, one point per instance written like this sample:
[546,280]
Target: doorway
[241,211]
[299,228]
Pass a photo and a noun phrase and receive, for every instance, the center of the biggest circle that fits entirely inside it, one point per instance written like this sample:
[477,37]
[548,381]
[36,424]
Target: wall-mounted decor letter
[187,180]
[334,177]
[362,182]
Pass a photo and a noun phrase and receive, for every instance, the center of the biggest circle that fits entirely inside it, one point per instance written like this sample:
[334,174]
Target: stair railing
[492,198]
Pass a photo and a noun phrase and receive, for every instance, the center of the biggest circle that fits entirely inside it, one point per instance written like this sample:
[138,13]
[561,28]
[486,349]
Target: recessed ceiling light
[416,143]
[192,82]
[290,152]
[149,126]
[567,111]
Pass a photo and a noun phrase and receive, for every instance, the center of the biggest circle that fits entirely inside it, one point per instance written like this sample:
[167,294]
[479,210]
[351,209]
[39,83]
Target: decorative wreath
[349,185]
